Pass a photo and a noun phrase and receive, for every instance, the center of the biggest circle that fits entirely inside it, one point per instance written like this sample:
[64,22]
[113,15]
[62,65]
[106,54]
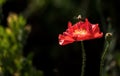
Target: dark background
[49,18]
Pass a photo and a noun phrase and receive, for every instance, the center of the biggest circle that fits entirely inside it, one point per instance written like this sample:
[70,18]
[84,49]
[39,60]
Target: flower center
[80,32]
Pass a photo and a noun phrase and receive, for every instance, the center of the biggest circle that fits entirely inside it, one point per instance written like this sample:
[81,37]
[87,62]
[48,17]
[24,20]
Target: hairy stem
[103,57]
[83,59]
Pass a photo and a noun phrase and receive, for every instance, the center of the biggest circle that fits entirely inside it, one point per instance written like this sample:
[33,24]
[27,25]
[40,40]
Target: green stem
[103,57]
[83,59]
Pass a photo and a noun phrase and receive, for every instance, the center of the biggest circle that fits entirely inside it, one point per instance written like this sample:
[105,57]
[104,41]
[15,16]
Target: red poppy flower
[79,32]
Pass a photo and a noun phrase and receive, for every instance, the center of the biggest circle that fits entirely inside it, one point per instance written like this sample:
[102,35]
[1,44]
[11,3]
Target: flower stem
[103,57]
[83,59]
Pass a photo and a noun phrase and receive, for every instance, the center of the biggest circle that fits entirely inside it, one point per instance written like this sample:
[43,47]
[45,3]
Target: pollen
[80,32]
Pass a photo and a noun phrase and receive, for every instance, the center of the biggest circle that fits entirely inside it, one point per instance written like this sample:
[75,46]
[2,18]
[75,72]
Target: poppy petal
[63,40]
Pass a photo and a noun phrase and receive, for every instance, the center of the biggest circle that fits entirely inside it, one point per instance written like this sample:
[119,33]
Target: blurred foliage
[2,1]
[12,40]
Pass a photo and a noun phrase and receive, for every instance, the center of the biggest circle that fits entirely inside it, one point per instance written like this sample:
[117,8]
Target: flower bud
[108,37]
